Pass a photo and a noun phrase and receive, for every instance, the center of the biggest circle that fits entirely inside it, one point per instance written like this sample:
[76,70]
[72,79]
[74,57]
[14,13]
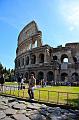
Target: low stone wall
[14,109]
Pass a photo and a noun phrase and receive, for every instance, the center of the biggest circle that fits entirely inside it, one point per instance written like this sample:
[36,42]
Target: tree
[1,68]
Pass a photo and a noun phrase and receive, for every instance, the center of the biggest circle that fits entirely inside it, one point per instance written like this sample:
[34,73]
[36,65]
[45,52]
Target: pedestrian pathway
[14,109]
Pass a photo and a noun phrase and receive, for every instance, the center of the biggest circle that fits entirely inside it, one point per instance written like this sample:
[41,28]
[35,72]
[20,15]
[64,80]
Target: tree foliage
[8,73]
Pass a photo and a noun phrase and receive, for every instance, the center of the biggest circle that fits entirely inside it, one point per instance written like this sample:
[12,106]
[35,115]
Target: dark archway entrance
[41,58]
[40,77]
[50,77]
[75,77]
[64,77]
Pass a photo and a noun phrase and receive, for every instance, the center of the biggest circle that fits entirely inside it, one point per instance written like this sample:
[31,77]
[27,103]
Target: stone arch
[74,59]
[33,59]
[23,61]
[19,63]
[64,77]
[50,76]
[64,58]
[75,77]
[41,58]
[40,77]
[27,60]
[55,57]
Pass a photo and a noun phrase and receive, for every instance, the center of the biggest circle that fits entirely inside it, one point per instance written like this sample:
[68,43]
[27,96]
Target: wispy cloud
[9,21]
[70,11]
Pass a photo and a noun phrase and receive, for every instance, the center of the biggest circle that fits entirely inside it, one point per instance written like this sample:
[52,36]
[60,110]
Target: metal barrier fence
[44,95]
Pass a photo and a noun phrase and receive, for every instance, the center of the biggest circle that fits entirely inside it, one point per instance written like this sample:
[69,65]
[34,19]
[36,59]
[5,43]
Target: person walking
[31,86]
[19,82]
[22,82]
[2,82]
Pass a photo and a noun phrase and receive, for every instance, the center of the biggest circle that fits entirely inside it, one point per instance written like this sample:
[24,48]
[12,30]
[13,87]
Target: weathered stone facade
[57,64]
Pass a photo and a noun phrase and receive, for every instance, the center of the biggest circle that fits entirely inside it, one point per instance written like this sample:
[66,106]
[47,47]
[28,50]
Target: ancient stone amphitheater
[60,64]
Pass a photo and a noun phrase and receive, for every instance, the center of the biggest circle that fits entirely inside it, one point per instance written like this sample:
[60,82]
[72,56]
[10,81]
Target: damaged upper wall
[29,37]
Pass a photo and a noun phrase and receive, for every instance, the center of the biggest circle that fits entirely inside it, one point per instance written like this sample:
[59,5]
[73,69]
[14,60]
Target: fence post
[23,93]
[78,99]
[58,98]
[18,93]
[13,89]
[48,96]
[10,90]
[67,97]
[39,94]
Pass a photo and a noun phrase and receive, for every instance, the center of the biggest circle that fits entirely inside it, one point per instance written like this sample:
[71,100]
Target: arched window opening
[22,61]
[40,77]
[55,57]
[19,63]
[50,77]
[33,59]
[27,60]
[75,77]
[64,58]
[64,77]
[75,59]
[41,58]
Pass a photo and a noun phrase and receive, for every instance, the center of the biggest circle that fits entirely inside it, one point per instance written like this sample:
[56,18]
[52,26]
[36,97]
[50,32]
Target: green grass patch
[11,83]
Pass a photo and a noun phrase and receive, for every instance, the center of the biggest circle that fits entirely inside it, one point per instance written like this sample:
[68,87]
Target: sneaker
[32,99]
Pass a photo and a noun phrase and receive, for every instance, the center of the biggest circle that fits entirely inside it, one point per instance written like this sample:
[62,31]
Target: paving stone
[21,111]
[3,107]
[7,118]
[12,103]
[19,106]
[36,117]
[11,100]
[2,115]
[10,111]
[20,117]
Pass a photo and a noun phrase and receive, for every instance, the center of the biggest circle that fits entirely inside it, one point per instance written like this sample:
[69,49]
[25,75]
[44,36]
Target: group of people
[20,82]
[31,85]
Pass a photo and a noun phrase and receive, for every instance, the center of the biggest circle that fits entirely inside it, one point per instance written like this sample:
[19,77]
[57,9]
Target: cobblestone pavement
[13,109]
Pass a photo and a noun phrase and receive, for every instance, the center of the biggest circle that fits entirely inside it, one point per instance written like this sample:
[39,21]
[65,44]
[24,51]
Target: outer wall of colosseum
[59,64]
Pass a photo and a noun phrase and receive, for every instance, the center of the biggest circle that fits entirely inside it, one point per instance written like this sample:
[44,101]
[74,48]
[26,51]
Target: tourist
[22,82]
[2,82]
[32,84]
[45,83]
[19,82]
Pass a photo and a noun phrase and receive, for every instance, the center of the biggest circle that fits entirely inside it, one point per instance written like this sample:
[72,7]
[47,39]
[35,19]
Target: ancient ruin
[60,64]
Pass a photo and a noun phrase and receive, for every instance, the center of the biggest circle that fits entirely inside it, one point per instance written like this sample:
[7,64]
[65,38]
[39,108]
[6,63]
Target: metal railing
[54,97]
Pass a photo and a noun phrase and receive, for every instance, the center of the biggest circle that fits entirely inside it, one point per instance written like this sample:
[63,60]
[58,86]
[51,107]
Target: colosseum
[60,64]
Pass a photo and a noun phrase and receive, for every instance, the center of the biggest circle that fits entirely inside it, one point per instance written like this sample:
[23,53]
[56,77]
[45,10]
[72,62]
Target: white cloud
[70,12]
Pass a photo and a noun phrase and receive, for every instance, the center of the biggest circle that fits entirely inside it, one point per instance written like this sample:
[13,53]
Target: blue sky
[57,19]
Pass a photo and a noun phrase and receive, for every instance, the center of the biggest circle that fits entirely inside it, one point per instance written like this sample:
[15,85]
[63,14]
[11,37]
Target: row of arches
[50,76]
[65,58]
[32,59]
[29,60]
